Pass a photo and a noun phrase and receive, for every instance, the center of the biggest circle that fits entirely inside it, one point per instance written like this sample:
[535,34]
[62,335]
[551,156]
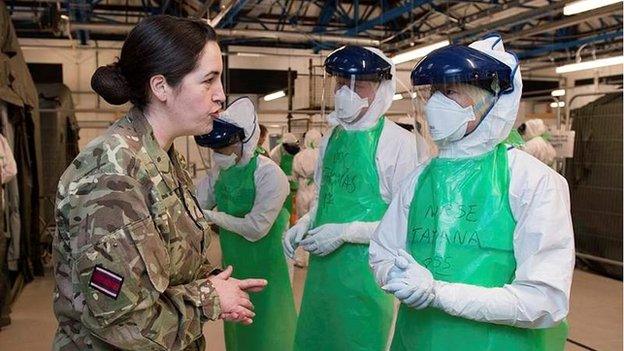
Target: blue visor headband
[465,65]
[359,62]
[223,134]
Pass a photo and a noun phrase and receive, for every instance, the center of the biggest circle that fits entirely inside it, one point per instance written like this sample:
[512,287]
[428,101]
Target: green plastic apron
[343,309]
[461,228]
[274,325]
[286,164]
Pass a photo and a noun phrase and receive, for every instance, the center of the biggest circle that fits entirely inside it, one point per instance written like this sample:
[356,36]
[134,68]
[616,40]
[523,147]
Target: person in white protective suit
[248,191]
[535,135]
[304,165]
[362,159]
[478,246]
[289,145]
[283,154]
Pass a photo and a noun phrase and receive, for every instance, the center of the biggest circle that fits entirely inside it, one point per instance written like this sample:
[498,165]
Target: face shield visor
[352,77]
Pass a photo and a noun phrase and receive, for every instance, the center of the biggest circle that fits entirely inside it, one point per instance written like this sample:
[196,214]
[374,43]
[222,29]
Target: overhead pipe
[609,36]
[240,33]
[567,22]
[607,49]
[438,31]
[468,34]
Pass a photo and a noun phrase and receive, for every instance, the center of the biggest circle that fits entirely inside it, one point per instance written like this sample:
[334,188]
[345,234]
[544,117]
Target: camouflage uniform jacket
[130,250]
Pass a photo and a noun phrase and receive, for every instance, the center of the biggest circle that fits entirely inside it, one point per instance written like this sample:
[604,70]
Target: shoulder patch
[107,282]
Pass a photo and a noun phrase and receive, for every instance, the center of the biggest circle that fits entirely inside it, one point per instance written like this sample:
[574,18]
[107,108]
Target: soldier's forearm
[199,294]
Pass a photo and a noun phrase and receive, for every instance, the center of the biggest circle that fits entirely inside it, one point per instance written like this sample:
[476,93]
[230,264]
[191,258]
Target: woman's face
[199,97]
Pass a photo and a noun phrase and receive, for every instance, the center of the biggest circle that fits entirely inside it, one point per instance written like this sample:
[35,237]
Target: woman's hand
[235,303]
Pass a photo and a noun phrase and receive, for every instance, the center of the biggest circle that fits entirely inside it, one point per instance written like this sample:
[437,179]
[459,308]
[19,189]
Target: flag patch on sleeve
[107,282]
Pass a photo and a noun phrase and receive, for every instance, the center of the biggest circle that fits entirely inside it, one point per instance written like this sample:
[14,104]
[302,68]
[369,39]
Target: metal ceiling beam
[327,12]
[231,14]
[571,44]
[296,37]
[510,21]
[440,30]
[203,9]
[552,59]
[568,21]
[387,16]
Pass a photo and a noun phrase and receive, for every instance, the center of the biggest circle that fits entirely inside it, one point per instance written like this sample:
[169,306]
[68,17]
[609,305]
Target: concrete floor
[595,317]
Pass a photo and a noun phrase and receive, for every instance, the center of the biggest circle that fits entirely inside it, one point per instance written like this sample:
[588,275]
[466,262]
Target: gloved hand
[293,237]
[325,239]
[410,282]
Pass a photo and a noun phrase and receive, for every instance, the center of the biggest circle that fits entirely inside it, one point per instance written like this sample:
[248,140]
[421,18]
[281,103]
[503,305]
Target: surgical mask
[448,121]
[224,161]
[348,104]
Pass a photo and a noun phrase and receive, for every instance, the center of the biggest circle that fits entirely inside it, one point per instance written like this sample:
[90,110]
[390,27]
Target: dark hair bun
[109,83]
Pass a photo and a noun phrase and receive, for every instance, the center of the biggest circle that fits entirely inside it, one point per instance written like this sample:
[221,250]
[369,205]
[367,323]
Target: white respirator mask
[348,104]
[224,161]
[448,121]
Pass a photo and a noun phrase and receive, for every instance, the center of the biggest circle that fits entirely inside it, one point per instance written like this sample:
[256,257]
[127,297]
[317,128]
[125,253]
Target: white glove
[293,236]
[325,239]
[410,282]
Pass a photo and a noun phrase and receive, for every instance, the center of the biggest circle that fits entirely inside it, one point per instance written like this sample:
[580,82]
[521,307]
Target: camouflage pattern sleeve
[200,294]
[121,265]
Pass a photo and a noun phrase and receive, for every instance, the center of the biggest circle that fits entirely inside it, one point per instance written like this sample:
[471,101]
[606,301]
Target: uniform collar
[161,159]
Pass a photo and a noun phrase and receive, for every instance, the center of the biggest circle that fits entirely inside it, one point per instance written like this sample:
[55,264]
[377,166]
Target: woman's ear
[159,87]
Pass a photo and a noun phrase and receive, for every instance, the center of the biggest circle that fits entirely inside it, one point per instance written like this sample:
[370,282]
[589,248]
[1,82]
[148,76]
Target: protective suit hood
[289,138]
[242,113]
[312,139]
[498,122]
[534,128]
[379,106]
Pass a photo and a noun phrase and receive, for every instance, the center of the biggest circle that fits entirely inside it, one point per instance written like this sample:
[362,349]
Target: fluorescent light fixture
[558,92]
[610,61]
[555,105]
[586,5]
[397,97]
[65,17]
[248,54]
[418,52]
[275,95]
